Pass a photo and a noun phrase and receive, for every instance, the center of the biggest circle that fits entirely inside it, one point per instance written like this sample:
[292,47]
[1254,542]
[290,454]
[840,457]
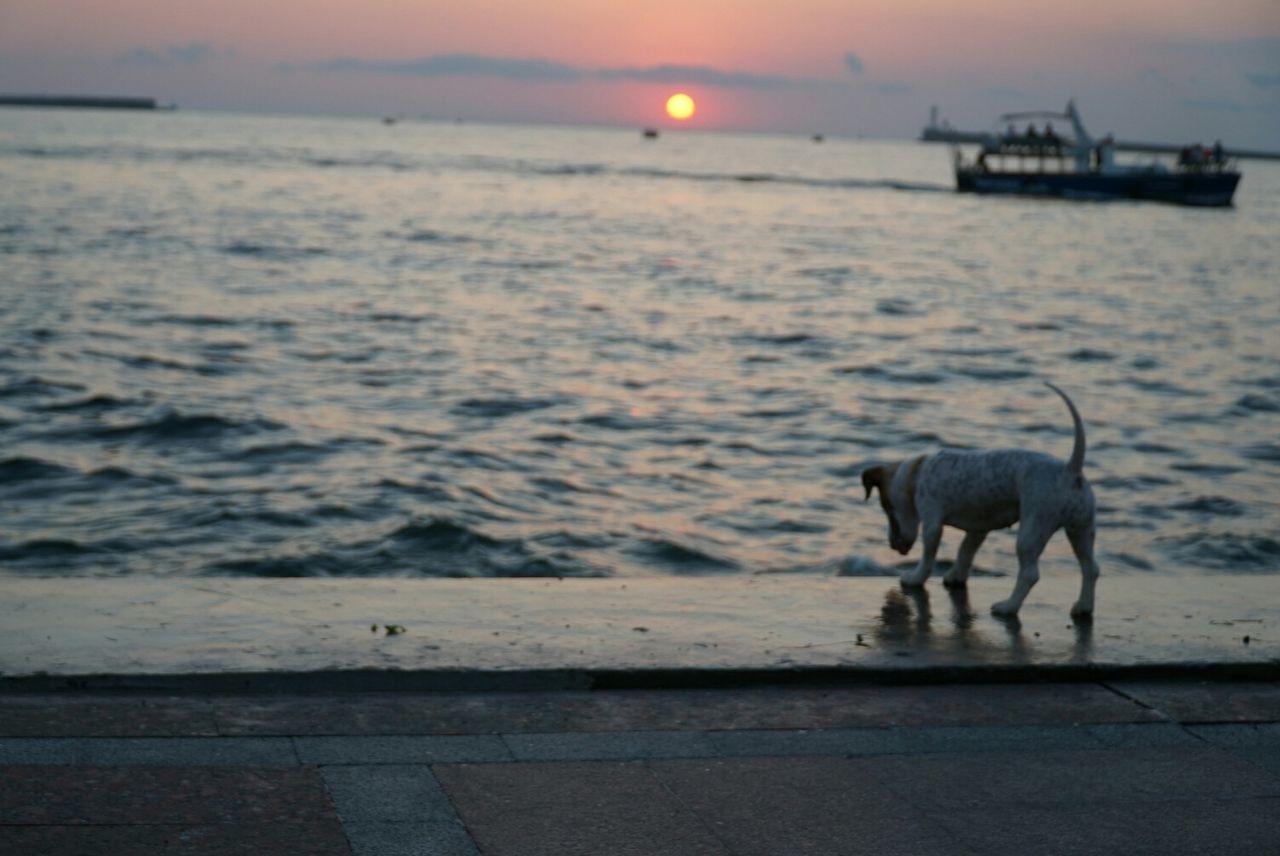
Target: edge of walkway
[386,635]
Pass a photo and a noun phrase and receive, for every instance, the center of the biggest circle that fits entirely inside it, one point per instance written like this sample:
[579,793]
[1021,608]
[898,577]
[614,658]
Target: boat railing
[1029,146]
[995,155]
[1197,158]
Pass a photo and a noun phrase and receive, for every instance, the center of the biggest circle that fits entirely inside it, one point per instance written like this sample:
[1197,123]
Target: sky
[1158,70]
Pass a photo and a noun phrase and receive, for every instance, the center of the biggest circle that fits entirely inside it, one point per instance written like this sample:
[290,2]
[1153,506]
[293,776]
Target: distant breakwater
[93,102]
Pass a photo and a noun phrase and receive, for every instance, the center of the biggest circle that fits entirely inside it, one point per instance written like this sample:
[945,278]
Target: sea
[258,346]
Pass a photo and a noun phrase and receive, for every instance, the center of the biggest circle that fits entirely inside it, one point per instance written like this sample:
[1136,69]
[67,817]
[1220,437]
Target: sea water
[264,346]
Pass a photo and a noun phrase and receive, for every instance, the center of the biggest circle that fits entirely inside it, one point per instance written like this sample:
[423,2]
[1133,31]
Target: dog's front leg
[930,538]
[959,573]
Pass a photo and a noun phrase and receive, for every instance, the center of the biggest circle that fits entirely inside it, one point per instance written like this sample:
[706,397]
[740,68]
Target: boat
[1040,162]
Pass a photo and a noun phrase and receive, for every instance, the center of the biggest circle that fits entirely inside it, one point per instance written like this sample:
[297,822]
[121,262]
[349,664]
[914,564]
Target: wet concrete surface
[311,634]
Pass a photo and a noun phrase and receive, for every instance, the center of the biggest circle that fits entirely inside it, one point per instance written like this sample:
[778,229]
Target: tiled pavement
[963,768]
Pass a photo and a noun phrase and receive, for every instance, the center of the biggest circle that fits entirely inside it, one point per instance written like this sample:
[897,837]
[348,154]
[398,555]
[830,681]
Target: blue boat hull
[1183,188]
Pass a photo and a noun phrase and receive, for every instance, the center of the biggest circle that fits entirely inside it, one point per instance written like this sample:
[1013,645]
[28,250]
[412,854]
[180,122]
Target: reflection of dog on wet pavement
[978,491]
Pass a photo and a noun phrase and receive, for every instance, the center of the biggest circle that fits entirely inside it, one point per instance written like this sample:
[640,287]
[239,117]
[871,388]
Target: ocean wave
[1262,452]
[1207,469]
[897,306]
[261,156]
[43,549]
[674,557]
[1234,553]
[429,547]
[783,179]
[268,567]
[1217,506]
[499,407]
[1254,403]
[61,554]
[439,546]
[94,403]
[432,236]
[16,470]
[232,156]
[1090,355]
[880,373]
[31,478]
[284,453]
[271,252]
[35,387]
[176,427]
[991,373]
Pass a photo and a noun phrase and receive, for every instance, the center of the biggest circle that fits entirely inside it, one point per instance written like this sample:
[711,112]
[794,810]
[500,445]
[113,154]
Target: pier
[92,102]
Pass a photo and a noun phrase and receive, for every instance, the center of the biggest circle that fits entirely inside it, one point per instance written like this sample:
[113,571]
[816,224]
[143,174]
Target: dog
[978,491]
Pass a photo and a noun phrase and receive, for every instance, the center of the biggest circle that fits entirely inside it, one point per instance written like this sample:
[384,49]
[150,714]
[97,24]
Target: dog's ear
[873,478]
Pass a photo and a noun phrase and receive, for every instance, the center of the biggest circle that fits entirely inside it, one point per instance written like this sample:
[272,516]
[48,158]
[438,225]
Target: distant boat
[1042,163]
[650,133]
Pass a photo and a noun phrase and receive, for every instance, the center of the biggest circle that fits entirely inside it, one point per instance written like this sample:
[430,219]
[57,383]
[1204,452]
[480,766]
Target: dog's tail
[1076,463]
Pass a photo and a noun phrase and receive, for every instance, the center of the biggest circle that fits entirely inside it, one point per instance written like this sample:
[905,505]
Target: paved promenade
[770,716]
[1092,768]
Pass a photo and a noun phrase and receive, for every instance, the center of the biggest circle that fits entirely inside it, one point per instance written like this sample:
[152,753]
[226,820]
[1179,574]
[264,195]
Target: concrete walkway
[442,634]
[1142,767]
[772,716]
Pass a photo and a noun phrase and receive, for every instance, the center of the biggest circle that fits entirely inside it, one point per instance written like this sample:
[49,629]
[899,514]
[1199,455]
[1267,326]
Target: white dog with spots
[978,491]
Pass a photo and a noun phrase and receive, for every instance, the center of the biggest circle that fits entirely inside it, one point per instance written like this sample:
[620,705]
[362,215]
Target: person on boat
[1219,154]
[1051,137]
[1106,153]
[1031,138]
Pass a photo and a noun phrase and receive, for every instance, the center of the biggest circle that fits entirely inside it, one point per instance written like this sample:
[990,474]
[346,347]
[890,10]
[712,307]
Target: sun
[680,106]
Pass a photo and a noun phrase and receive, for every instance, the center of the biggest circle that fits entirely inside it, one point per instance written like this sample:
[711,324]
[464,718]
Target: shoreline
[238,635]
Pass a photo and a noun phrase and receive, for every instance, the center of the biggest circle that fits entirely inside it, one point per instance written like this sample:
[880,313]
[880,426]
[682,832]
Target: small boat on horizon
[1036,162]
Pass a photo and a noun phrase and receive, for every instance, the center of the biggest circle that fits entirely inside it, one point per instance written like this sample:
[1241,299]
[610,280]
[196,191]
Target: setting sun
[680,106]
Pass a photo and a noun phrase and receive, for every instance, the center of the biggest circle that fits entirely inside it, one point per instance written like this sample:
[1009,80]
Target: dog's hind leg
[1082,544]
[1033,535]
[959,573]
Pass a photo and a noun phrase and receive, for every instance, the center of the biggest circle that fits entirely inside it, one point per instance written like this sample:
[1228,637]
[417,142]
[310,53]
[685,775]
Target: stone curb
[464,680]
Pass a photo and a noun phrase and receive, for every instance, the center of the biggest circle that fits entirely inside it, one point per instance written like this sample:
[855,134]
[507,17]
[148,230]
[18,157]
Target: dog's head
[904,524]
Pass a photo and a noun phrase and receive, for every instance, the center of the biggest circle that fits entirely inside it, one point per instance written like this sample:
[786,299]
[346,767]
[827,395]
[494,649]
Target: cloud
[458,65]
[1011,93]
[192,53]
[542,70]
[1214,104]
[1265,46]
[702,75]
[1264,81]
[854,63]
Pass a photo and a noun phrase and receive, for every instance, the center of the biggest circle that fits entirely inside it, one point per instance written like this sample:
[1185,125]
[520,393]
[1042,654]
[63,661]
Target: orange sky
[1142,67]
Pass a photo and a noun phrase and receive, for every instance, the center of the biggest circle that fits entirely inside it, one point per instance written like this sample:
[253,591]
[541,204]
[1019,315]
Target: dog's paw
[1082,612]
[1005,609]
